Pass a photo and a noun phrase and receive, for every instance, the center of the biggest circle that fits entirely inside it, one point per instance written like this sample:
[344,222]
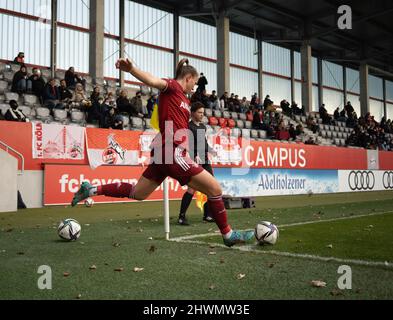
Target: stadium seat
[240,124]
[3,86]
[147,123]
[15,67]
[8,76]
[231,123]
[205,120]
[343,143]
[126,120]
[3,108]
[234,115]
[42,113]
[208,112]
[334,134]
[254,133]
[339,135]
[99,81]
[217,113]
[262,134]
[236,132]
[2,98]
[26,110]
[249,117]
[320,121]
[213,121]
[11,96]
[242,116]
[59,114]
[226,115]
[77,116]
[45,73]
[222,122]
[248,125]
[216,128]
[30,99]
[209,130]
[136,123]
[337,142]
[60,74]
[246,133]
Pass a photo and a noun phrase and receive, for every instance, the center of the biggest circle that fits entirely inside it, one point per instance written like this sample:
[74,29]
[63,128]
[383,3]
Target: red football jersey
[174,113]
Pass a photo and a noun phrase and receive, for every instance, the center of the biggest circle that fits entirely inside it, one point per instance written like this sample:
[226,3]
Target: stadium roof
[288,23]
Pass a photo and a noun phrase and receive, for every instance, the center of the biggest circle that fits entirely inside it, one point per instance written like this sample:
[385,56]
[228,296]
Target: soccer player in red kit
[170,155]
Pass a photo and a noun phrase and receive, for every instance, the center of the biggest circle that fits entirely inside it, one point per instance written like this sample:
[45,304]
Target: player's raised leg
[207,184]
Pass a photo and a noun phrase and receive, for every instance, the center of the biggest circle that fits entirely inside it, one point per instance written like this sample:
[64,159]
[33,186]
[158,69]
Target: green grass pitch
[318,233]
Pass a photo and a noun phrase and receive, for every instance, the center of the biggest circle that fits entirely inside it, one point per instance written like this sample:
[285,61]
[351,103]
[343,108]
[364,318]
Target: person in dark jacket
[73,78]
[202,82]
[38,82]
[13,114]
[20,82]
[51,95]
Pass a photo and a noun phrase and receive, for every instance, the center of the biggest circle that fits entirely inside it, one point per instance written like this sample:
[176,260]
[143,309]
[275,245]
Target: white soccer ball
[89,202]
[266,233]
[69,229]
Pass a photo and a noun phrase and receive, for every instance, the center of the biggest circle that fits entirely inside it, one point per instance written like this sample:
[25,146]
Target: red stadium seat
[222,122]
[249,116]
[231,123]
[213,121]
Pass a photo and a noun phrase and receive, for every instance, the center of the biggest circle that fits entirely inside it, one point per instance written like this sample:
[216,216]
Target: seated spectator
[123,104]
[236,104]
[292,132]
[37,82]
[65,94]
[295,109]
[97,112]
[95,95]
[324,115]
[285,107]
[311,124]
[110,100]
[267,102]
[20,58]
[79,98]
[113,120]
[224,102]
[336,114]
[20,82]
[136,105]
[255,101]
[13,114]
[349,108]
[231,101]
[299,130]
[257,119]
[244,105]
[73,78]
[213,101]
[150,105]
[51,95]
[310,140]
[282,133]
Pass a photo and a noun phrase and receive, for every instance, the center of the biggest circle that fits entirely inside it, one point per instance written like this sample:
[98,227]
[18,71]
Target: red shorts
[182,169]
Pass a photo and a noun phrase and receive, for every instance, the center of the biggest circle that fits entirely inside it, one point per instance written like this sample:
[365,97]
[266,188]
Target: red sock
[218,212]
[117,190]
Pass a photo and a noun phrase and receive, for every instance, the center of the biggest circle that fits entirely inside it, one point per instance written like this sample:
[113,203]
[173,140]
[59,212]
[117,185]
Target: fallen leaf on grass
[212,287]
[271,265]
[119,269]
[150,238]
[20,253]
[9,230]
[136,269]
[222,260]
[93,267]
[330,246]
[116,244]
[139,230]
[212,253]
[318,283]
[79,296]
[212,246]
[336,292]
[240,276]
[152,249]
[66,274]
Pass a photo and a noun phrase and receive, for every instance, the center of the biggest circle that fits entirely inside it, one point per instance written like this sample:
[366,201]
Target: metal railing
[7,149]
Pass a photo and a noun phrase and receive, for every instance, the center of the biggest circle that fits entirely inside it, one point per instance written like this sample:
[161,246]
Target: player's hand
[124,64]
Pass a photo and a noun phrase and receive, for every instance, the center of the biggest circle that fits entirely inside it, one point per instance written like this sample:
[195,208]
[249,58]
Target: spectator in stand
[202,82]
[285,107]
[310,141]
[37,82]
[113,120]
[150,105]
[336,114]
[267,102]
[136,105]
[257,119]
[292,132]
[20,58]
[224,101]
[20,82]
[236,104]
[73,78]
[97,112]
[95,95]
[349,108]
[282,132]
[244,105]
[123,104]
[13,114]
[311,124]
[295,109]
[255,100]
[213,101]
[110,100]
[65,94]
[324,115]
[231,102]
[79,98]
[51,95]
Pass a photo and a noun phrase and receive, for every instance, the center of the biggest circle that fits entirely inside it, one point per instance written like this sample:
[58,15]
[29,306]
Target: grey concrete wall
[31,187]
[8,182]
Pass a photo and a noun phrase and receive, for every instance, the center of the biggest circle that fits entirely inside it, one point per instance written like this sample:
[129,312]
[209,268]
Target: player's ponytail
[183,68]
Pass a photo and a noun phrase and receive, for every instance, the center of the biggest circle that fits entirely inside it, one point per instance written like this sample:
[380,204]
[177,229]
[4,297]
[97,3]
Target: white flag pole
[166,209]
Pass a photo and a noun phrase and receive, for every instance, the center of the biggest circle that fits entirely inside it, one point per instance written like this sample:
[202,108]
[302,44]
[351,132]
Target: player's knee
[215,190]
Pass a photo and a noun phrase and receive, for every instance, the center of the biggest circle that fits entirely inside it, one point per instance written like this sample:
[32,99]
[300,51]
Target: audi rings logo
[387,179]
[361,180]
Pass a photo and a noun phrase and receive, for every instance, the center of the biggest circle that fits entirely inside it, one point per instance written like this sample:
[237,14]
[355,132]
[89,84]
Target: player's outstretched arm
[126,65]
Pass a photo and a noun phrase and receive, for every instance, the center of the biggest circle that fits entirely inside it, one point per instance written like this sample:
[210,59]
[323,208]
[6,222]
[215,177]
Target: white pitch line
[251,248]
[289,225]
